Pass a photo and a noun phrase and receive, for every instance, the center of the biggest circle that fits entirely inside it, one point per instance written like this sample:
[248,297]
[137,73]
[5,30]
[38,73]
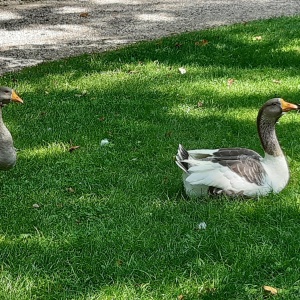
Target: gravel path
[35,31]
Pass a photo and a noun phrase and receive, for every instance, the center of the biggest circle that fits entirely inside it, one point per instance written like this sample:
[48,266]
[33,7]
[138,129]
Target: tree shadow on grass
[127,230]
[97,245]
[96,218]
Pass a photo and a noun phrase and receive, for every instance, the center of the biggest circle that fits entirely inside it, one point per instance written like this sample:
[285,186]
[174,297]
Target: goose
[240,171]
[8,154]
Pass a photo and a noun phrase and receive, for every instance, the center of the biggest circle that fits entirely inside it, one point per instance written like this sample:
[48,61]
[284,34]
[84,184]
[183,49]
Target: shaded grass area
[112,222]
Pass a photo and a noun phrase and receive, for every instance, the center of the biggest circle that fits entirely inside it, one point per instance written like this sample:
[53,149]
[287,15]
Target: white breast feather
[277,170]
[207,173]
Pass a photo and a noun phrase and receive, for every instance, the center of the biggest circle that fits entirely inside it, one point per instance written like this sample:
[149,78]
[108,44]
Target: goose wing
[246,164]
[225,166]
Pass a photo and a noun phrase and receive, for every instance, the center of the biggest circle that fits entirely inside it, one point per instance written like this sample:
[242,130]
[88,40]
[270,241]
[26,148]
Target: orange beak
[286,106]
[15,97]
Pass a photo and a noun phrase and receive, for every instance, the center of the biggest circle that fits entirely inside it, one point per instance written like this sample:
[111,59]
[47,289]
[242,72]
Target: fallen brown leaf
[270,290]
[119,262]
[180,297]
[230,81]
[83,93]
[276,81]
[84,15]
[42,114]
[168,133]
[70,190]
[165,179]
[257,38]
[201,43]
[72,148]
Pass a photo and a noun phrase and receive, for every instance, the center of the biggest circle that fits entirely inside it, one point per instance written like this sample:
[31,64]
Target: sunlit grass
[42,152]
[82,220]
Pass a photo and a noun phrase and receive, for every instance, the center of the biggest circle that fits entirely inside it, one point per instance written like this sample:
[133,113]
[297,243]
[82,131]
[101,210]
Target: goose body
[239,171]
[8,154]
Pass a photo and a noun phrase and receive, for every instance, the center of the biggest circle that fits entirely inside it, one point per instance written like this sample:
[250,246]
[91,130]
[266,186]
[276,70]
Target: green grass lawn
[112,222]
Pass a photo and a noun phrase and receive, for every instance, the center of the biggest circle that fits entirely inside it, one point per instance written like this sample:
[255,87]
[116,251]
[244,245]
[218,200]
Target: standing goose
[7,151]
[240,171]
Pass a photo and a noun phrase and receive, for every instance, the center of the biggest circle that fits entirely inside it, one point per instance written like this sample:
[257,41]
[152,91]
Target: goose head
[274,108]
[7,95]
[267,117]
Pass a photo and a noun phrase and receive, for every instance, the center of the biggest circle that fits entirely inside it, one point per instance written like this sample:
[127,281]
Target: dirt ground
[34,31]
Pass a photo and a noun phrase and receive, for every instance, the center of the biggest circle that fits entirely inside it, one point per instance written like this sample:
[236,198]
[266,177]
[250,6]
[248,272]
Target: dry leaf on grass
[201,43]
[73,148]
[257,38]
[270,290]
[230,81]
[199,104]
[168,133]
[119,262]
[276,81]
[83,93]
[70,190]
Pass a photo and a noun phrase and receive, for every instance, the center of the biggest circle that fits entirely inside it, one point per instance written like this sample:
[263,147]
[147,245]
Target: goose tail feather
[181,157]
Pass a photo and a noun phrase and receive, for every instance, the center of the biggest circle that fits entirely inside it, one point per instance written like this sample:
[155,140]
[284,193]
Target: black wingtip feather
[182,154]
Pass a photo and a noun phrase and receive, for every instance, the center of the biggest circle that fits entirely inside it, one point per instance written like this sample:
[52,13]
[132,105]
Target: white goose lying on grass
[8,154]
[239,171]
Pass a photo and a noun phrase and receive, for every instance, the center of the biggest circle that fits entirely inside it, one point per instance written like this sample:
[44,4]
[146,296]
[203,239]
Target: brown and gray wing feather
[244,162]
